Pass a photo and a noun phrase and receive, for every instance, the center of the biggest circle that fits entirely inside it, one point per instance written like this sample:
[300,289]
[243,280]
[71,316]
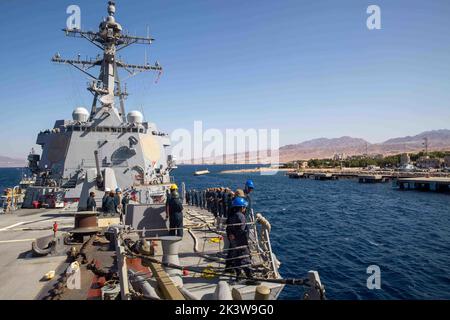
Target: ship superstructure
[106,147]
[139,255]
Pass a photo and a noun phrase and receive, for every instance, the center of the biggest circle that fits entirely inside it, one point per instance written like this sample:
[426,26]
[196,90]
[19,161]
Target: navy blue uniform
[91,205]
[215,204]
[125,201]
[249,200]
[240,233]
[229,205]
[225,196]
[175,217]
[188,197]
[106,196]
[110,206]
[195,198]
[208,201]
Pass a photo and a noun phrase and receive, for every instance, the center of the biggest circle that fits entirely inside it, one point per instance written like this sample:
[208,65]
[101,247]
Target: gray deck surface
[20,275]
[201,285]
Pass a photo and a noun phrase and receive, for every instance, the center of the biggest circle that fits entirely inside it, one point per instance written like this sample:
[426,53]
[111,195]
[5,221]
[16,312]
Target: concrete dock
[367,176]
[323,176]
[372,178]
[436,184]
[312,175]
[363,178]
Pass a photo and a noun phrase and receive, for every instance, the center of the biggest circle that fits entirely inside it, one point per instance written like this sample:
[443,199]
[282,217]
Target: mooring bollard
[262,292]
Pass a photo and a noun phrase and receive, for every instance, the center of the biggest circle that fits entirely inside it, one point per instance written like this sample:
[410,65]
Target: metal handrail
[260,238]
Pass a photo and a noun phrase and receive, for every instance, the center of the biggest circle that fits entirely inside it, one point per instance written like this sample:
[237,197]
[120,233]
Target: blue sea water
[341,227]
[10,177]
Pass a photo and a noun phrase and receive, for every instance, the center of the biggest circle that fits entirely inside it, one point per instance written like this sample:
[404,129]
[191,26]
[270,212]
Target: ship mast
[109,38]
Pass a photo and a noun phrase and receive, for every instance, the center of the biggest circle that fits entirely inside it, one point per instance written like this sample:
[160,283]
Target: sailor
[239,193]
[237,233]
[118,200]
[91,205]
[225,196]
[208,199]
[221,201]
[125,201]
[175,214]
[229,202]
[218,202]
[188,198]
[173,187]
[214,202]
[110,205]
[204,198]
[105,196]
[202,202]
[195,198]
[249,186]
[167,197]
[199,196]
[191,197]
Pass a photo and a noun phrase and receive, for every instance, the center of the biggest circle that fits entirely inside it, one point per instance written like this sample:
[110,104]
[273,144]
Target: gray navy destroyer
[107,148]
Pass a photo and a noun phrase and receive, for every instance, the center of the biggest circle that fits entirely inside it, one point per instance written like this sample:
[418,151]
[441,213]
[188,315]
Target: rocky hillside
[326,148]
[6,162]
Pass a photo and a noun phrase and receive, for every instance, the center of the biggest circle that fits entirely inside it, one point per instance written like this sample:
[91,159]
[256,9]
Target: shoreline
[253,170]
[351,171]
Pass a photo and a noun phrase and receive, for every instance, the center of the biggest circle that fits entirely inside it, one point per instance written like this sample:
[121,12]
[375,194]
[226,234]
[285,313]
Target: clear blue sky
[310,68]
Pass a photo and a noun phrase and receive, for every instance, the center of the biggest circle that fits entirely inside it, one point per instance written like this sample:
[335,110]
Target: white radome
[80,114]
[135,117]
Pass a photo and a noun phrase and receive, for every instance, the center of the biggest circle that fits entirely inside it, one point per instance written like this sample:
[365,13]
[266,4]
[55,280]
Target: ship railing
[314,288]
[224,251]
[259,238]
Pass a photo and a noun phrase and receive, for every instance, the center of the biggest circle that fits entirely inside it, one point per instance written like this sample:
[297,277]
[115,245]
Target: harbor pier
[436,184]
[295,174]
[324,176]
[363,178]
[312,175]
[372,178]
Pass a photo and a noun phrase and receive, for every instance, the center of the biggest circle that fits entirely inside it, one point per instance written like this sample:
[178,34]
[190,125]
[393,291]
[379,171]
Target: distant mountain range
[7,162]
[327,148]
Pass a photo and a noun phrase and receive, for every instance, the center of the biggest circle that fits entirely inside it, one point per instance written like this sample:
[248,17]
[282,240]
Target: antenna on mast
[110,39]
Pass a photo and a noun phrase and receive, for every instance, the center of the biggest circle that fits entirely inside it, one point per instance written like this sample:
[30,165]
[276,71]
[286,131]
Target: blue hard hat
[239,202]
[250,184]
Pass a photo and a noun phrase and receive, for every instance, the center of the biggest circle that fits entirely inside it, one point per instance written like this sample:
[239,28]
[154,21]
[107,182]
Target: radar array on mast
[110,39]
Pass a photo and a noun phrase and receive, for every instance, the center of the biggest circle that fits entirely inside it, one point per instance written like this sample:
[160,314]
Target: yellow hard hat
[174,187]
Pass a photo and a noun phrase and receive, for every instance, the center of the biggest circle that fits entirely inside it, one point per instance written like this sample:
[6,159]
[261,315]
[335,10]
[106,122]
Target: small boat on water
[201,172]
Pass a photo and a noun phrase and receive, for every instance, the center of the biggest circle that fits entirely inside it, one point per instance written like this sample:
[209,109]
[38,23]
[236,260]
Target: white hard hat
[107,190]
[118,189]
